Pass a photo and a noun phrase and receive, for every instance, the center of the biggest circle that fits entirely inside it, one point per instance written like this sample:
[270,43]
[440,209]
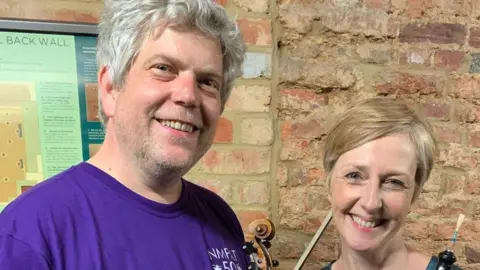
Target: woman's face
[371,191]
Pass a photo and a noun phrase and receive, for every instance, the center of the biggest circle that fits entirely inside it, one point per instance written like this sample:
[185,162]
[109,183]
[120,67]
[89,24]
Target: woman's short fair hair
[379,117]
[124,25]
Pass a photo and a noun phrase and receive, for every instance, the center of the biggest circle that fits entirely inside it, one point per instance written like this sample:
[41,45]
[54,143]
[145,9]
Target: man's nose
[185,90]
[371,197]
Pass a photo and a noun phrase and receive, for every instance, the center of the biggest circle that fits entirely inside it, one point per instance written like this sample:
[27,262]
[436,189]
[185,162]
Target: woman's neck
[391,256]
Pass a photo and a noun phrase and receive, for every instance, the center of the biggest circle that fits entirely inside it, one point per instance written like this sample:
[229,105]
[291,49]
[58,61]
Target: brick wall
[266,161]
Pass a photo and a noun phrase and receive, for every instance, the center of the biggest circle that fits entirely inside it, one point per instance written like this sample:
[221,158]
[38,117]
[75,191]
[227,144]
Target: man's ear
[108,95]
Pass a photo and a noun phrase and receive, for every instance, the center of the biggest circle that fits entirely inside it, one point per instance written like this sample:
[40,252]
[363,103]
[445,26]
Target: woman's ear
[329,189]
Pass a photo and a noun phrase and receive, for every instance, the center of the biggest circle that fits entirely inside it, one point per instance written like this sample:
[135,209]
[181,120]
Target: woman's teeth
[177,125]
[363,223]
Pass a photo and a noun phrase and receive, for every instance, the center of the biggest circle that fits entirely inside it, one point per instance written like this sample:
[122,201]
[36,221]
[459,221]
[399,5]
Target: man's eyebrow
[154,58]
[203,72]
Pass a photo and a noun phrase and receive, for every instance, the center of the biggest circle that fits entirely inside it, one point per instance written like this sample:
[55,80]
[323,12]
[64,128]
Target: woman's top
[431,265]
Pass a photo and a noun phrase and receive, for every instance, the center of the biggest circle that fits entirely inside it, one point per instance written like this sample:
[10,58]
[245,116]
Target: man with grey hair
[166,68]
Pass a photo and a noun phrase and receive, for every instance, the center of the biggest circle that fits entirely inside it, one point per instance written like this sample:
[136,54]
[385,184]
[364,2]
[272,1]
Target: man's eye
[211,84]
[162,67]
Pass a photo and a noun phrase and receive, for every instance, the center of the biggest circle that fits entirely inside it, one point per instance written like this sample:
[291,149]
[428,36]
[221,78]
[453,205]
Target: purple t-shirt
[84,219]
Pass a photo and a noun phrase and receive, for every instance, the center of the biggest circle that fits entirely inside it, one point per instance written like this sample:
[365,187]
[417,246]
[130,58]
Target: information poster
[48,107]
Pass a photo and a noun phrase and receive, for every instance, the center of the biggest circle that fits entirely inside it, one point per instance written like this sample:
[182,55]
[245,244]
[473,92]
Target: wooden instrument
[259,234]
[314,241]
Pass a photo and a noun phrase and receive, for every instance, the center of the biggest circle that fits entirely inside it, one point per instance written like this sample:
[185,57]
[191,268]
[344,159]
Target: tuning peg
[249,248]
[266,243]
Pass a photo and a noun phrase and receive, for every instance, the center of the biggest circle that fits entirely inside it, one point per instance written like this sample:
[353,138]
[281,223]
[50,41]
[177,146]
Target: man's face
[167,112]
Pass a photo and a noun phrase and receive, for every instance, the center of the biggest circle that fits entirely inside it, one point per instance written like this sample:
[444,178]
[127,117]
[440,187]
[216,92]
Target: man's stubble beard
[158,168]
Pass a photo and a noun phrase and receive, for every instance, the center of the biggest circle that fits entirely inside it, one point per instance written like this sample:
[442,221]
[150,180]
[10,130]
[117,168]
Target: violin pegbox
[259,234]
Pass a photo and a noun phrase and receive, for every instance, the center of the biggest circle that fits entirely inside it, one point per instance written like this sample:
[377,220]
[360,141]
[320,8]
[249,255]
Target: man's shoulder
[213,202]
[207,195]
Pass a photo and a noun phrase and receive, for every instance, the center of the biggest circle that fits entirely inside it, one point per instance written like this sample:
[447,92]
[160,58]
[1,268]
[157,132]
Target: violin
[259,234]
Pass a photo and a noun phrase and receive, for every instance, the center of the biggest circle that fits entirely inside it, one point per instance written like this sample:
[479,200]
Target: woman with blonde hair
[377,158]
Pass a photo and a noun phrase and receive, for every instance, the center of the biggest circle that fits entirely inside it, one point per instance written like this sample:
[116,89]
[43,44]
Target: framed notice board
[48,101]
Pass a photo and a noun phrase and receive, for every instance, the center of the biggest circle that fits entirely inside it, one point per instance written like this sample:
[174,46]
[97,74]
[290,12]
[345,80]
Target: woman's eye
[396,183]
[353,175]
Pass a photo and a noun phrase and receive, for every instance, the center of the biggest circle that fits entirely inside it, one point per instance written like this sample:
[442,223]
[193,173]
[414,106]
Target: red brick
[249,98]
[302,150]
[450,60]
[260,6]
[288,245]
[253,193]
[369,22]
[470,230]
[307,102]
[472,254]
[406,83]
[474,138]
[448,205]
[222,188]
[474,39]
[224,132]
[57,10]
[475,8]
[301,203]
[307,176]
[257,131]
[458,156]
[375,53]
[437,109]
[378,4]
[453,183]
[467,112]
[75,16]
[298,15]
[439,33]
[282,175]
[448,133]
[248,216]
[415,57]
[324,76]
[472,184]
[256,31]
[416,8]
[306,129]
[442,231]
[235,161]
[466,86]
[453,7]
[417,229]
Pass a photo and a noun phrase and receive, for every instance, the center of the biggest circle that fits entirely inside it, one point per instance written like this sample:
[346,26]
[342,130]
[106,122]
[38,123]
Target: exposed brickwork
[333,53]
[267,156]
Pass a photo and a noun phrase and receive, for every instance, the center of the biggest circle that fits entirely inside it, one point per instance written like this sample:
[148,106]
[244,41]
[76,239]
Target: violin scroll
[259,234]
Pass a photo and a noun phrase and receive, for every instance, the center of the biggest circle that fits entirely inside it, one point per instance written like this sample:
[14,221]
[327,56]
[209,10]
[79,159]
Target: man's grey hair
[124,25]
